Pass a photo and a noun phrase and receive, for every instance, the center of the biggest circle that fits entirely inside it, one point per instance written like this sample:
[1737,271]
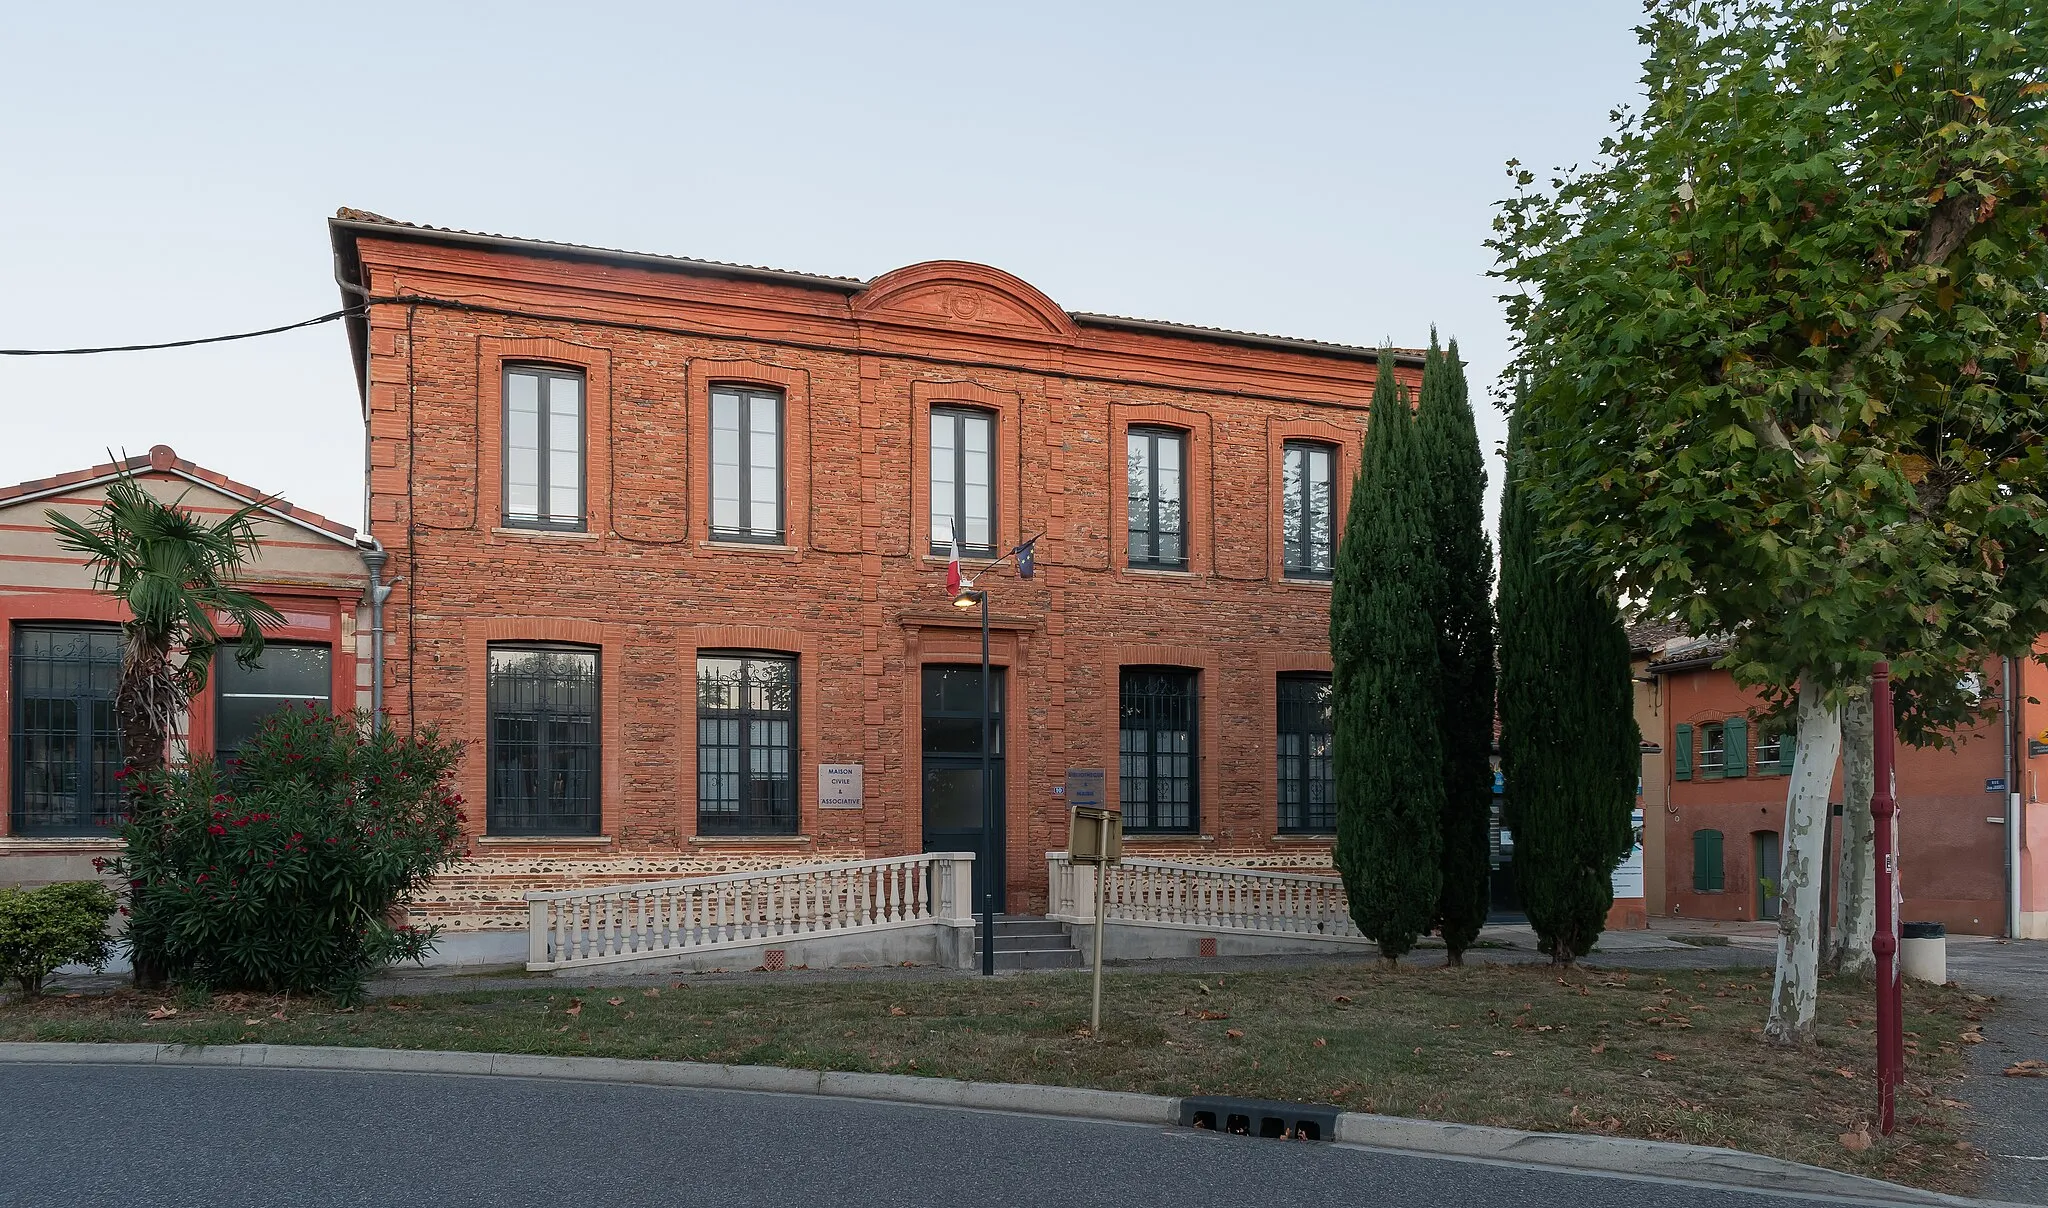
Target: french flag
[953,566]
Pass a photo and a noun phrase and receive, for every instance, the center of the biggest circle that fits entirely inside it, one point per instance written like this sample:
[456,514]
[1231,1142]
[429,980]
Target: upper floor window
[1308,777]
[1308,510]
[543,447]
[543,741]
[1156,735]
[288,673]
[746,465]
[746,744]
[1713,750]
[963,480]
[1156,461]
[66,742]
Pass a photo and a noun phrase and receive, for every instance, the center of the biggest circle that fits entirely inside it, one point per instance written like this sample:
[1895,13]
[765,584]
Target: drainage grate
[1261,1118]
[1206,946]
[776,960]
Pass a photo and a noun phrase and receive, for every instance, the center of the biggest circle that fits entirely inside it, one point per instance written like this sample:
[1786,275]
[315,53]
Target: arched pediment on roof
[961,295]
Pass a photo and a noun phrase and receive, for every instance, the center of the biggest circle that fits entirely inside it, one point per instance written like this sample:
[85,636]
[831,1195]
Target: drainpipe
[2012,805]
[373,557]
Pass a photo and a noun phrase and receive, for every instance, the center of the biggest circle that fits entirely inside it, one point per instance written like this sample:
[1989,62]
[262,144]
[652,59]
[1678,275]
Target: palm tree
[173,571]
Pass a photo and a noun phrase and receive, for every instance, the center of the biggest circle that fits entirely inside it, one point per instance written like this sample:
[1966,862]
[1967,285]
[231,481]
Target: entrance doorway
[1769,893]
[952,769]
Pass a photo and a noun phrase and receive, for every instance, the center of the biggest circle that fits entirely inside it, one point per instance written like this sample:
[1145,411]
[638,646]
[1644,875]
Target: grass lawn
[1669,1056]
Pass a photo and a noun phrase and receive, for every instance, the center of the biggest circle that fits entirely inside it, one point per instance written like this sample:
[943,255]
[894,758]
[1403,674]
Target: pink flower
[216,829]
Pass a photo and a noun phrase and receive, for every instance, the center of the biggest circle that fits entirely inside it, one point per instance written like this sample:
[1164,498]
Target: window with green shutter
[1681,753]
[1788,746]
[1706,862]
[1736,743]
[1713,751]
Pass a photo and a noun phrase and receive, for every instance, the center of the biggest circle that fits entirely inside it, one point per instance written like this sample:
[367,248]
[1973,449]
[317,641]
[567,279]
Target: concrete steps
[1027,942]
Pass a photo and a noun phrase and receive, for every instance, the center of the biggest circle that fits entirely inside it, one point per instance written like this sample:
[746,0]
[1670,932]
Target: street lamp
[970,596]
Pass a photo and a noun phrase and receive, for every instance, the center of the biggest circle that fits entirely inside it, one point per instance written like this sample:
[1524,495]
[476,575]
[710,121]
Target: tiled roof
[1690,650]
[1650,637]
[353,218]
[163,459]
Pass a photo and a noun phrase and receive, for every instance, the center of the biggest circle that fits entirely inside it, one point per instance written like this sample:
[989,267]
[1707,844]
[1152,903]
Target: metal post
[1891,1048]
[373,560]
[988,813]
[1101,874]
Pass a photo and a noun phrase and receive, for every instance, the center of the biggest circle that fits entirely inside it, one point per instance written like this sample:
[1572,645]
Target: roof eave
[1247,339]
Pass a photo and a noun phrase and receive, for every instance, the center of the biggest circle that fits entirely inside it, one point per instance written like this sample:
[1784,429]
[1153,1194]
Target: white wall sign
[839,786]
[1628,875]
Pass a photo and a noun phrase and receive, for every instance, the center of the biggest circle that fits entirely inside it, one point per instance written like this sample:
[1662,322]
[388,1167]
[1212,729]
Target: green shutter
[1735,744]
[1706,861]
[1788,746]
[1681,753]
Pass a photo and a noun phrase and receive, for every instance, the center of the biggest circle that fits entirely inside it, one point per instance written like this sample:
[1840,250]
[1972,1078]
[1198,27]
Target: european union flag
[1027,563]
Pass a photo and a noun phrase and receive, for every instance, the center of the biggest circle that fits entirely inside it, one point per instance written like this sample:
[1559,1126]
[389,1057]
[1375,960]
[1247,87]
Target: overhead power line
[329,317]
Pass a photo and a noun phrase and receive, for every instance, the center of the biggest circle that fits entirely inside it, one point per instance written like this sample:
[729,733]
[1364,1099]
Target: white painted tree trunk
[1795,989]
[1857,908]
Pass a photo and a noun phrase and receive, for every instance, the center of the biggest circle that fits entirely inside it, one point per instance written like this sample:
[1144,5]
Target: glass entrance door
[952,769]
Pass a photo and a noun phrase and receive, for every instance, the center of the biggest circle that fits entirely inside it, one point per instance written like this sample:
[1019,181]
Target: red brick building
[1715,779]
[672,534]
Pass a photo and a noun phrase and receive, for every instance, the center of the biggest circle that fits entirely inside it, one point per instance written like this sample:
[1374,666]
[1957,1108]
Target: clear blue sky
[1322,170]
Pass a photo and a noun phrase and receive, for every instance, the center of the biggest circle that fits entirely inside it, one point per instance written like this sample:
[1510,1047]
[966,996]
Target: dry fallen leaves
[651,992]
[614,1002]
[1342,1000]
[1972,1038]
[575,1007]
[163,1012]
[898,1011]
[1321,1043]
[1845,1071]
[1235,1033]
[1663,1056]
[1212,1015]
[2030,1068]
[1503,1052]
[1857,1141]
[1599,1048]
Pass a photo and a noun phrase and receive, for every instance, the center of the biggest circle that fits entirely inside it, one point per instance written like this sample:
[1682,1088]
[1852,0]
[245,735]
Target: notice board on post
[1087,812]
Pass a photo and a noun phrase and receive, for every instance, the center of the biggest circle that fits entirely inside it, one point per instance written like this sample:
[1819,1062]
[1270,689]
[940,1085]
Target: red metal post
[1884,811]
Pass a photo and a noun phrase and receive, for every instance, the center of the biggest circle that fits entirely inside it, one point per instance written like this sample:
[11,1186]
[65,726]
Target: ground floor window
[65,743]
[288,673]
[543,741]
[1156,744]
[746,744]
[1707,874]
[1308,780]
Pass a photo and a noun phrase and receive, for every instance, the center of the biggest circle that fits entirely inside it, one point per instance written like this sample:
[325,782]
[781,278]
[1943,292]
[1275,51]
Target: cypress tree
[1388,755]
[1456,481]
[1568,738]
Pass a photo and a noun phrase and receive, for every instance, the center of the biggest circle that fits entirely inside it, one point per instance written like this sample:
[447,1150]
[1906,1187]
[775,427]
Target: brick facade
[853,591]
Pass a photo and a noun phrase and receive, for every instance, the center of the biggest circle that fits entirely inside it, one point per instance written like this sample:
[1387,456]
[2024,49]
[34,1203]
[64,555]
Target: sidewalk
[2012,1112]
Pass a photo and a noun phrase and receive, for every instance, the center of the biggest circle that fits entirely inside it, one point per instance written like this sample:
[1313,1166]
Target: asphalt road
[2011,1113]
[141,1136]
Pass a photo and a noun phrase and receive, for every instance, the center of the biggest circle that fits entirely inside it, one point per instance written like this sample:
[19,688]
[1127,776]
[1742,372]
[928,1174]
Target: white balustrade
[1203,896]
[578,927]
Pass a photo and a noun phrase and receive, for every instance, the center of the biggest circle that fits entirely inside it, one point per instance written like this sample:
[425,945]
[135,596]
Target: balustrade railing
[1208,897]
[578,927]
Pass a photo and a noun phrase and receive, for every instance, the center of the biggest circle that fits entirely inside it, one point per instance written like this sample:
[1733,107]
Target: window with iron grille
[746,465]
[1308,780]
[543,447]
[65,740]
[746,744]
[1308,510]
[963,480]
[543,741]
[1156,745]
[288,673]
[1155,461]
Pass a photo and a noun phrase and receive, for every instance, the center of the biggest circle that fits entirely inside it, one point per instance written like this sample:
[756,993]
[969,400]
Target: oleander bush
[281,871]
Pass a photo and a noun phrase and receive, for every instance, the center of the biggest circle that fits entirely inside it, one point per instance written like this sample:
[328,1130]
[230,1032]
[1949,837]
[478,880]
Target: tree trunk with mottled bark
[1857,900]
[1795,988]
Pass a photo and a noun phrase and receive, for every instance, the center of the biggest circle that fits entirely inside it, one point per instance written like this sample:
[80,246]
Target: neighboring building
[1719,840]
[673,534]
[60,642]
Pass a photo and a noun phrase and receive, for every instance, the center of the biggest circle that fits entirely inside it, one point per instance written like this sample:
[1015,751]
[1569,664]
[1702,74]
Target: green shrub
[44,929]
[280,872]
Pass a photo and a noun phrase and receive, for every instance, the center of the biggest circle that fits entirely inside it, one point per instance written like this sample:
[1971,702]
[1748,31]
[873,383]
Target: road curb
[1612,1155]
